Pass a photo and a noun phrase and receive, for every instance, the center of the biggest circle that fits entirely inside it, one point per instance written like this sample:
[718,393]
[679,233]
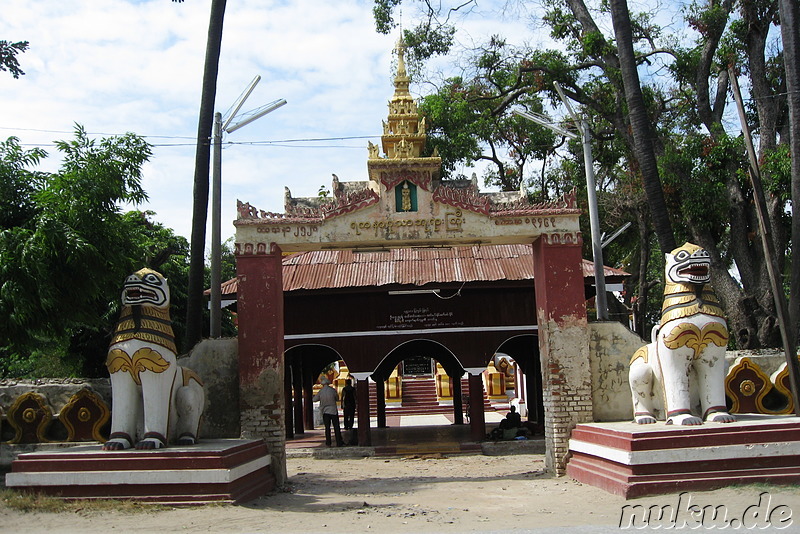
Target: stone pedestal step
[638,460]
[211,471]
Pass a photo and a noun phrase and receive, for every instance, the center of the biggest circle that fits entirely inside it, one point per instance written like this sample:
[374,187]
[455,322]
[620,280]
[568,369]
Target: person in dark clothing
[512,420]
[349,404]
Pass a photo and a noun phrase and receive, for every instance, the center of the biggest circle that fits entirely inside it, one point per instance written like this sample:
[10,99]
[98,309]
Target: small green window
[405,195]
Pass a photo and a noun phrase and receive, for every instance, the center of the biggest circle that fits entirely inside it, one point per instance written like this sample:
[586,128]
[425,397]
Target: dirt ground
[413,494]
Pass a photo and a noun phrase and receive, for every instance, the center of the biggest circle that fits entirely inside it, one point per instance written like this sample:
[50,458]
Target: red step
[419,398]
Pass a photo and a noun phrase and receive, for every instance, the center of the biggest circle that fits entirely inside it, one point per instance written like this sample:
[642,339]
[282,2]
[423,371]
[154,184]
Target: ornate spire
[403,132]
[401,79]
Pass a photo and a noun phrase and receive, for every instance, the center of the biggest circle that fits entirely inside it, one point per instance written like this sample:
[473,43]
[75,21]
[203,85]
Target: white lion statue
[154,399]
[684,365]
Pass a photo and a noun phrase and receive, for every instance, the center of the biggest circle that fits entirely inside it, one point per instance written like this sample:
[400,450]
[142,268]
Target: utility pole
[220,127]
[591,192]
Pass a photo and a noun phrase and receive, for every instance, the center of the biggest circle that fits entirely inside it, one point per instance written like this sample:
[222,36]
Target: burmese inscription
[420,318]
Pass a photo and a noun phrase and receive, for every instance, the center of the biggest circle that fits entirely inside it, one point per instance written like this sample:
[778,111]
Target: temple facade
[403,209]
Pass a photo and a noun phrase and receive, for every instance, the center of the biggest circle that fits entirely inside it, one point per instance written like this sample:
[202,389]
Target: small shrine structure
[405,204]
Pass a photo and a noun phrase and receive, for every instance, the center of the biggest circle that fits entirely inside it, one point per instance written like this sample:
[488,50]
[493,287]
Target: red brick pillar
[261,366]
[563,341]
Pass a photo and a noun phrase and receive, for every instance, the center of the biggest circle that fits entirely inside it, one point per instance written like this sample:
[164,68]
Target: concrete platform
[638,460]
[226,470]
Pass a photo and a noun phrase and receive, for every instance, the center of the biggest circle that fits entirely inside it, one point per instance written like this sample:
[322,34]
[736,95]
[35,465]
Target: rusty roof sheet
[331,269]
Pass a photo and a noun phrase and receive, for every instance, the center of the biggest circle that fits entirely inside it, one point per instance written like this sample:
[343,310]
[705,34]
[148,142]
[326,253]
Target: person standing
[329,408]
[349,404]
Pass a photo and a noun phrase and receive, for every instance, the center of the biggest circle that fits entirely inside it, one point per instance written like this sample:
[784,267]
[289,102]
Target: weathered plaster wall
[217,363]
[566,378]
[611,346]
[769,360]
[57,391]
[215,360]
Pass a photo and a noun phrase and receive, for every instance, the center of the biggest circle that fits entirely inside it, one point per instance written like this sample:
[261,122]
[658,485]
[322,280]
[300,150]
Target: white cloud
[118,66]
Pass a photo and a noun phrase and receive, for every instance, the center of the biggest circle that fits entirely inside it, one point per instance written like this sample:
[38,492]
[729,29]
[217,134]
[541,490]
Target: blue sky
[116,66]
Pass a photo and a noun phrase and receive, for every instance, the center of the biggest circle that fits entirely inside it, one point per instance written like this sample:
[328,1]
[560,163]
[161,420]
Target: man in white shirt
[329,408]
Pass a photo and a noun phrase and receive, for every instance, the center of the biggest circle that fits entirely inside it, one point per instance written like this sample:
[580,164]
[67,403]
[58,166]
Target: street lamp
[216,194]
[594,220]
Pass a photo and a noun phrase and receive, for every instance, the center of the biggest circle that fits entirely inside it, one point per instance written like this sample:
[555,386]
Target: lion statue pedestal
[684,366]
[154,400]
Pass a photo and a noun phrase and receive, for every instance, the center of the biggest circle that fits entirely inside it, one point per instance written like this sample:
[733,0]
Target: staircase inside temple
[419,398]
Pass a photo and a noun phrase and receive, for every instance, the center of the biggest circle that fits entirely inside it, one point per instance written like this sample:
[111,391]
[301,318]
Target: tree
[465,128]
[66,247]
[8,57]
[194,308]
[790,35]
[640,125]
[682,99]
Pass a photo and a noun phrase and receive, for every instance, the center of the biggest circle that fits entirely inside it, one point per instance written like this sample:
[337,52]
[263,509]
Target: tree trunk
[640,317]
[640,126]
[194,303]
[790,33]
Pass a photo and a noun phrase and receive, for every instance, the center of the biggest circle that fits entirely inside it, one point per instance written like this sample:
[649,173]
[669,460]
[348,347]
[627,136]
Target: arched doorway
[524,350]
[448,214]
[303,366]
[423,353]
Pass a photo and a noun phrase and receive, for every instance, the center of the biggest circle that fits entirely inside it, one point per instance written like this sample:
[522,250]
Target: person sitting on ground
[512,420]
[329,408]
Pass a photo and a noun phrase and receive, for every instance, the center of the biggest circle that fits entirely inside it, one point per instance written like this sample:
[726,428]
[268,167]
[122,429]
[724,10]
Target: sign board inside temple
[417,366]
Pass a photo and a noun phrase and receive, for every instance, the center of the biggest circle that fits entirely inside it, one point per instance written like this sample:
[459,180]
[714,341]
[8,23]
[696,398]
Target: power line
[280,142]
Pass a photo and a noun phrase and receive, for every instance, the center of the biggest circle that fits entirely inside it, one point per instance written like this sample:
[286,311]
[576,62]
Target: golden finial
[401,62]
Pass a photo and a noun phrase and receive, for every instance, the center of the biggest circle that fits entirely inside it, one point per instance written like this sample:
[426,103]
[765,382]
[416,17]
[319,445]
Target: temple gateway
[368,235]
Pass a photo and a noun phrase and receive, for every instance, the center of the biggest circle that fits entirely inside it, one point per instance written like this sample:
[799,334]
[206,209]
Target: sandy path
[460,493]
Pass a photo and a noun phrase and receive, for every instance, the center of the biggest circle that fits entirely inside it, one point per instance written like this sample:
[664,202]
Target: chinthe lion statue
[154,399]
[684,365]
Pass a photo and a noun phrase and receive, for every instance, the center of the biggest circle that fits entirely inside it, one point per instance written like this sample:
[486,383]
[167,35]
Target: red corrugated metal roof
[328,269]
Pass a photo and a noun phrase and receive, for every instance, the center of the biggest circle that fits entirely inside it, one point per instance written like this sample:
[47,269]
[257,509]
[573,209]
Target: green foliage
[707,18]
[227,272]
[384,19]
[695,170]
[8,57]
[595,44]
[66,248]
[776,172]
[17,183]
[465,124]
[426,41]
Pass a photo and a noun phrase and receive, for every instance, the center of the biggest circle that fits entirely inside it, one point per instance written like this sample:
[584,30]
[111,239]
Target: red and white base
[226,470]
[638,460]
